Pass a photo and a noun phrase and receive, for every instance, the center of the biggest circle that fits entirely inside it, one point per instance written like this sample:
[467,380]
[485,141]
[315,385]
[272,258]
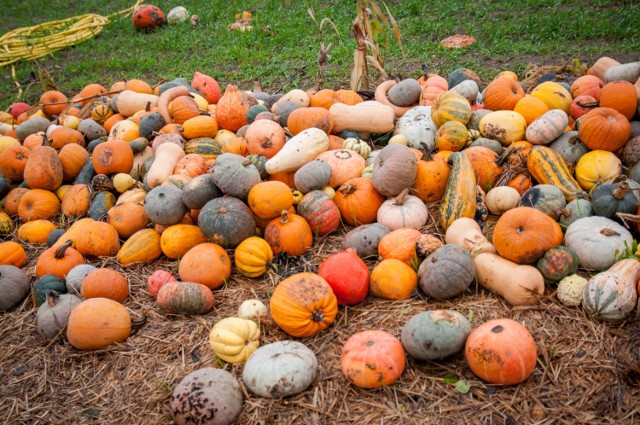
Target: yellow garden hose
[34,42]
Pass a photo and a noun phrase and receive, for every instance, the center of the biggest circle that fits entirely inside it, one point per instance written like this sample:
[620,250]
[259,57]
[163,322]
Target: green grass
[510,35]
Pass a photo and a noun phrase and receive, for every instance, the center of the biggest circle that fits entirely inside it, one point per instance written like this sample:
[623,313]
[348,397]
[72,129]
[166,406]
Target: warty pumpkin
[232,108]
[303,305]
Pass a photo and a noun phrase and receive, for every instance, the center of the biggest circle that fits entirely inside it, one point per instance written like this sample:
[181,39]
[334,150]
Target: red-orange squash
[207,264]
[112,157]
[105,283]
[290,233]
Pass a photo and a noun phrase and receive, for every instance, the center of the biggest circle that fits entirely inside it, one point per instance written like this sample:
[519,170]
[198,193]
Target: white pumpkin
[468,89]
[53,315]
[73,280]
[403,210]
[280,369]
[501,199]
[597,241]
[252,309]
[177,15]
[416,125]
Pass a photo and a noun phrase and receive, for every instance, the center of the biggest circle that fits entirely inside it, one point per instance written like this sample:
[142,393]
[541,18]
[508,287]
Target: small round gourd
[557,263]
[164,206]
[207,396]
[280,369]
[571,290]
[14,286]
[435,334]
[74,278]
[501,199]
[252,309]
[447,272]
[53,315]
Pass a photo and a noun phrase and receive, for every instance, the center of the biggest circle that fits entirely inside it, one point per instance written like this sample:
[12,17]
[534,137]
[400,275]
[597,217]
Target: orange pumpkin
[393,279]
[431,177]
[268,199]
[34,140]
[207,264]
[452,136]
[235,144]
[400,244]
[72,157]
[521,183]
[61,136]
[36,231]
[304,118]
[358,201]
[38,204]
[348,97]
[76,201]
[12,254]
[265,137]
[290,233]
[105,283]
[127,218]
[433,85]
[530,107]
[200,126]
[486,165]
[53,102]
[524,234]
[43,169]
[138,86]
[372,359]
[13,161]
[12,200]
[604,129]
[112,157]
[621,96]
[58,261]
[98,322]
[587,85]
[99,239]
[303,305]
[502,94]
[178,239]
[88,93]
[322,98]
[232,108]
[183,108]
[345,165]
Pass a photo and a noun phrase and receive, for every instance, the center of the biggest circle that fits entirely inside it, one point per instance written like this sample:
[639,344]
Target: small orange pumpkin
[290,233]
[38,204]
[72,157]
[127,218]
[58,261]
[12,253]
[178,239]
[105,283]
[268,199]
[304,118]
[604,128]
[112,157]
[13,161]
[98,322]
[53,102]
[265,137]
[502,94]
[393,279]
[36,231]
[358,201]
[400,244]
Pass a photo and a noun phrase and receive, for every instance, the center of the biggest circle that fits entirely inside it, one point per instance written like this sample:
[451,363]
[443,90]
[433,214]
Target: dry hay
[587,371]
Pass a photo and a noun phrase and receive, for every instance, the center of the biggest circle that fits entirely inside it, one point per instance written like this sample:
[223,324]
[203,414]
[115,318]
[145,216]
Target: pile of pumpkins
[226,182]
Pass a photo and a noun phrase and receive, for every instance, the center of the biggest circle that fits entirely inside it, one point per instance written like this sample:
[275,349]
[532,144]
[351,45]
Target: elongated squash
[518,284]
[166,156]
[142,247]
[370,116]
[129,102]
[299,150]
[459,198]
[548,167]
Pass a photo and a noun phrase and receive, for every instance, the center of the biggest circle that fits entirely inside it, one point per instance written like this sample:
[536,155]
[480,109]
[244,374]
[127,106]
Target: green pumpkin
[102,202]
[461,74]
[609,199]
[546,198]
[557,263]
[47,283]
[86,174]
[259,162]
[254,111]
[226,221]
[150,123]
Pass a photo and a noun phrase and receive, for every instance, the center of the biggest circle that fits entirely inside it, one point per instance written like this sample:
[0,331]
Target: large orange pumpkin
[53,102]
[604,128]
[621,96]
[524,234]
[372,359]
[76,201]
[303,305]
[72,157]
[13,161]
[502,94]
[358,201]
[587,85]
[98,322]
[98,240]
[43,169]
[105,283]
[178,239]
[38,204]
[112,157]
[207,264]
[265,137]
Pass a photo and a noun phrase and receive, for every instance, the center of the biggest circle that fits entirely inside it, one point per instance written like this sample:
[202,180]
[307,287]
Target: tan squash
[166,156]
[369,116]
[517,284]
[466,232]
[129,102]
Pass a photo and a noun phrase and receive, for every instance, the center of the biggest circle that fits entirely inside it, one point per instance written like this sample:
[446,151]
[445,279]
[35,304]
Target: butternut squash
[137,171]
[166,157]
[369,116]
[517,284]
[129,102]
[299,150]
[466,233]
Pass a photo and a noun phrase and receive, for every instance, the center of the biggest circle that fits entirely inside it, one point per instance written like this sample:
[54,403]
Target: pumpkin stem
[505,155]
[52,297]
[137,324]
[564,212]
[317,315]
[284,217]
[588,104]
[621,190]
[573,140]
[347,189]
[609,232]
[399,200]
[62,249]
[628,217]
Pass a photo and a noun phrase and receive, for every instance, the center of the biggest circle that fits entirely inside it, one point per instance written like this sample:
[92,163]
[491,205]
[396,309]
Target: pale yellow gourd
[166,157]
[370,116]
[300,149]
[234,339]
[129,102]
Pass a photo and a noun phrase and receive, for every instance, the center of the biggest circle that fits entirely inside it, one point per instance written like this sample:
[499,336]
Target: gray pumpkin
[91,129]
[53,315]
[569,146]
[280,369]
[574,210]
[436,334]
[405,93]
[494,145]
[546,198]
[14,286]
[394,170]
[365,239]
[313,175]
[226,221]
[31,126]
[235,175]
[207,396]
[447,272]
[163,205]
[198,191]
[73,279]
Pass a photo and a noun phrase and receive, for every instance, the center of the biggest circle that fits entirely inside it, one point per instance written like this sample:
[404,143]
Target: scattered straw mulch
[587,371]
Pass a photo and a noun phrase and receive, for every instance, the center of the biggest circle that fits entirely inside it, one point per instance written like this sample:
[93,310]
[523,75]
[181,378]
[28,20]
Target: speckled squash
[435,334]
[185,298]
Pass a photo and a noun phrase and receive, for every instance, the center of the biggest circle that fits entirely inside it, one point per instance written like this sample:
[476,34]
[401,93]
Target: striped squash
[142,247]
[207,147]
[548,167]
[459,199]
[185,298]
[6,224]
[611,295]
[450,106]
[548,127]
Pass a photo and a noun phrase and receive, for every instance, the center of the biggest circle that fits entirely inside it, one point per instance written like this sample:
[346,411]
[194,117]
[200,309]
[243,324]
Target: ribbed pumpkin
[290,233]
[621,96]
[502,94]
[58,261]
[394,169]
[253,257]
[38,204]
[358,201]
[185,298]
[322,98]
[176,240]
[348,97]
[43,169]
[268,199]
[76,201]
[403,211]
[431,177]
[232,108]
[72,157]
[345,165]
[127,218]
[304,118]
[553,95]
[13,161]
[501,352]
[548,127]
[530,107]
[450,106]
[206,263]
[98,322]
[604,128]
[393,279]
[524,234]
[612,295]
[105,283]
[401,245]
[112,157]
[99,239]
[320,211]
[452,136]
[141,247]
[36,231]
[226,221]
[183,108]
[303,305]
[372,359]
[12,253]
